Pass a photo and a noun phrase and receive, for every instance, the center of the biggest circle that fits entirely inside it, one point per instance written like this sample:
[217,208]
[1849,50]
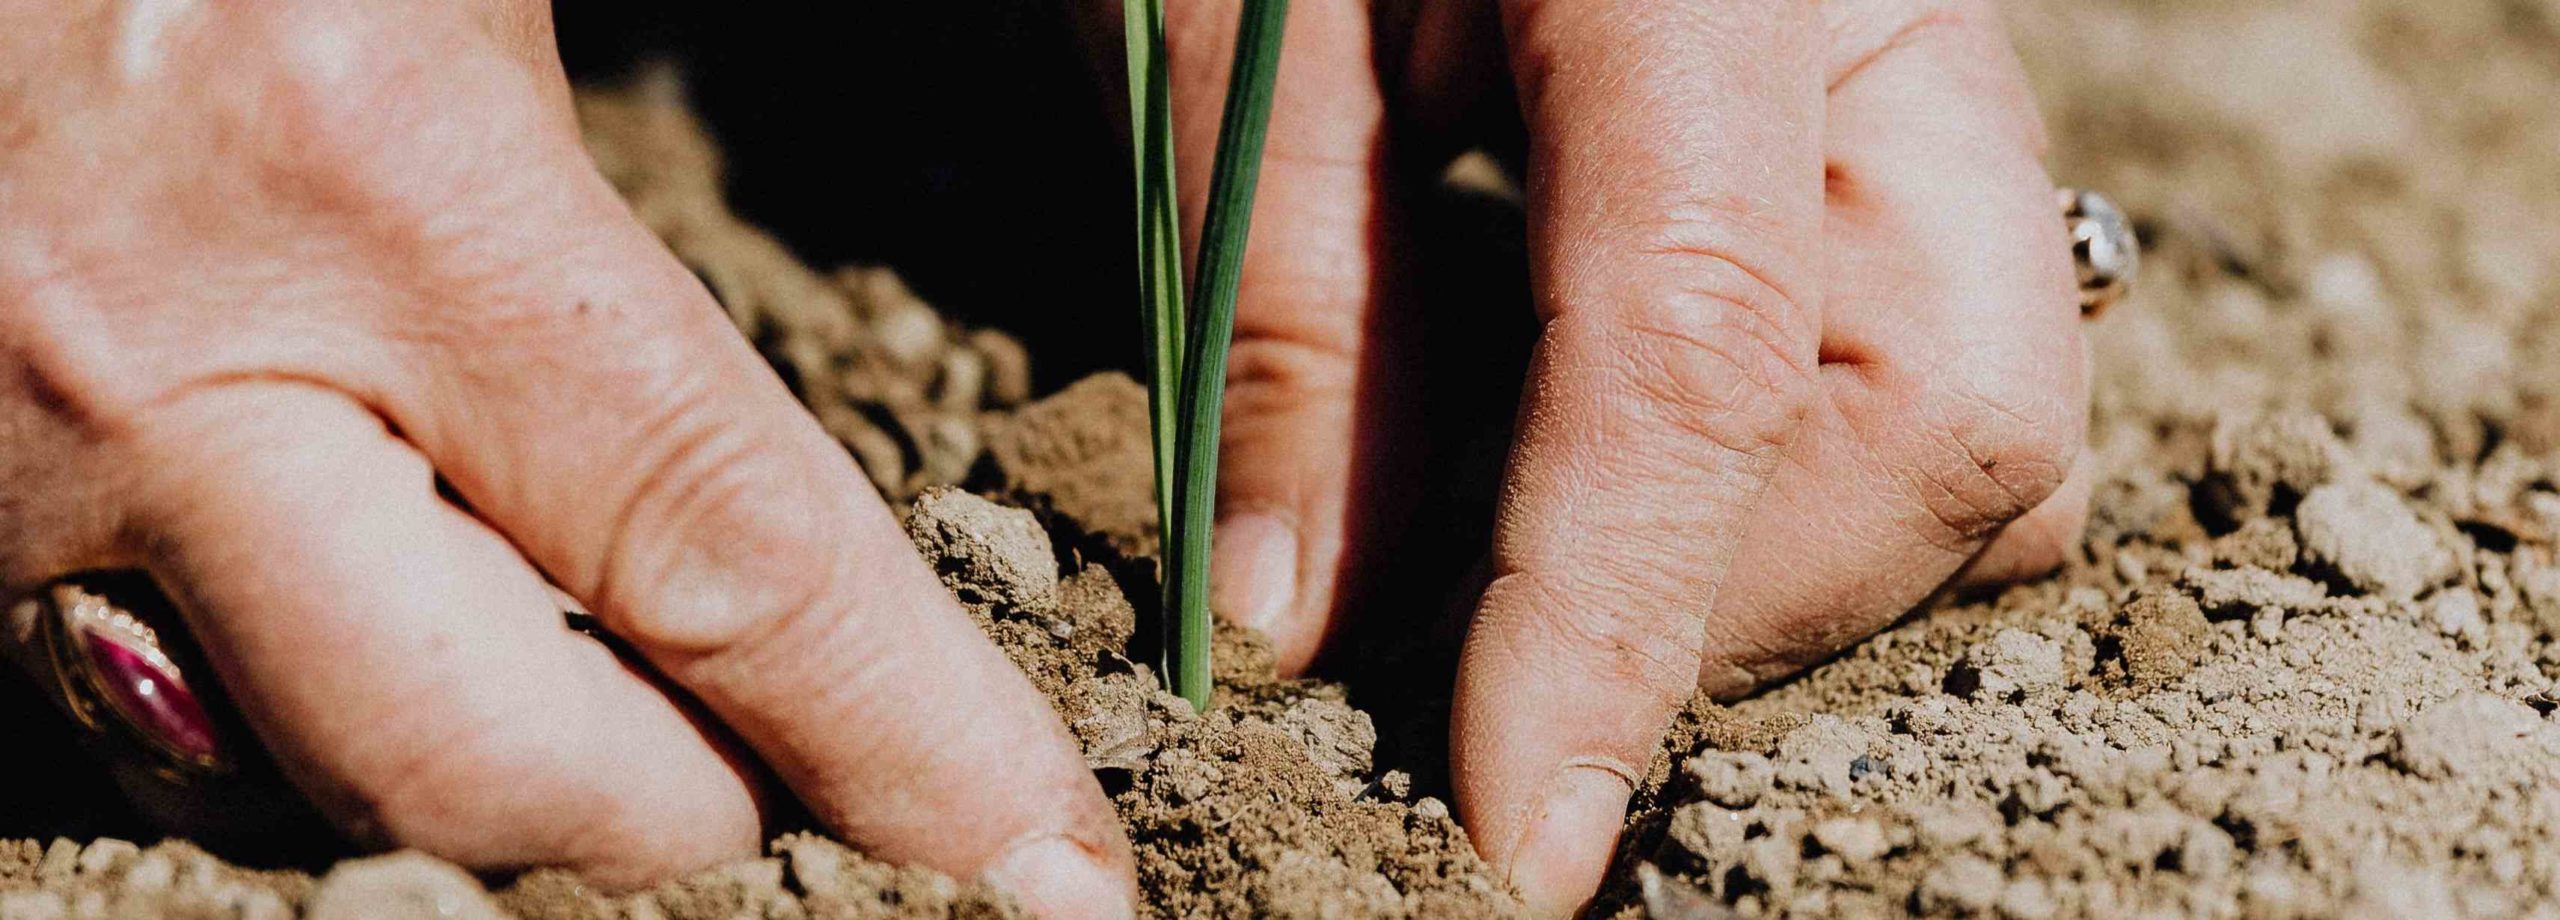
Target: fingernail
[1060,879]
[1253,570]
[1571,836]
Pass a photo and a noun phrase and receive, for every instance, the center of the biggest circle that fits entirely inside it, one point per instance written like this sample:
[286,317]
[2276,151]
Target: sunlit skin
[1809,348]
[269,270]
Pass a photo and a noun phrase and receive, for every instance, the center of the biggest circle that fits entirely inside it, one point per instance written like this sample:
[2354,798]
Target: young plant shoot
[1187,352]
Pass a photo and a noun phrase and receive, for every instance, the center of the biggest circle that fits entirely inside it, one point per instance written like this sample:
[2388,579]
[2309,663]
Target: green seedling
[1186,356]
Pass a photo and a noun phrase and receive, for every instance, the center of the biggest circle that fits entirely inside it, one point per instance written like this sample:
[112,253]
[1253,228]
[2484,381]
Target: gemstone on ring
[2104,248]
[119,679]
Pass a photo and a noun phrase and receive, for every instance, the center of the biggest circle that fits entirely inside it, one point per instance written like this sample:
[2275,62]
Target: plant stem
[1223,234]
[1159,263]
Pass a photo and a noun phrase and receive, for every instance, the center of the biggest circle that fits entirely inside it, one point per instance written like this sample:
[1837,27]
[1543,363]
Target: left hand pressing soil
[1809,348]
[318,311]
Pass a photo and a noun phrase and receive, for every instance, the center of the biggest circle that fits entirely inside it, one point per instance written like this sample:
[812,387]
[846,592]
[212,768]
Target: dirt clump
[2151,642]
[804,875]
[2364,535]
[1084,458]
[989,555]
[1268,804]
[115,878]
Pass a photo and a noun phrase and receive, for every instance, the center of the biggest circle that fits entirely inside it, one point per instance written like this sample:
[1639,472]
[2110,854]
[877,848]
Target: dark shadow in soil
[77,799]
[963,142]
[1398,652]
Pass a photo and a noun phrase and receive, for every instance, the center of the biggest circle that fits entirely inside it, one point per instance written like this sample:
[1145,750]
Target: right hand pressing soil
[318,312]
[1807,348]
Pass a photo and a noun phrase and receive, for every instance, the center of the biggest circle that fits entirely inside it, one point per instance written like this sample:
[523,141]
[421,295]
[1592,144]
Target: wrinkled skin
[1808,348]
[269,272]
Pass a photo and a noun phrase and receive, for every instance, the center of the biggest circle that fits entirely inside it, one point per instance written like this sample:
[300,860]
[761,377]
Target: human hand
[274,274]
[1808,347]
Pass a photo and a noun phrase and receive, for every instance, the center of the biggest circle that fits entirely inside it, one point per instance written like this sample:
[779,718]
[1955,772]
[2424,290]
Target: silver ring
[2103,246]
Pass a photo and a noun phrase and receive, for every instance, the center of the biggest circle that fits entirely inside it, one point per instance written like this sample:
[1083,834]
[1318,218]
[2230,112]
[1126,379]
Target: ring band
[119,682]
[2104,248]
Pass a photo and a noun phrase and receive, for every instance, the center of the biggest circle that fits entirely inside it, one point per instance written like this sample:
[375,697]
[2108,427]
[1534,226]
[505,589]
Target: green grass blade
[1159,253]
[1241,134]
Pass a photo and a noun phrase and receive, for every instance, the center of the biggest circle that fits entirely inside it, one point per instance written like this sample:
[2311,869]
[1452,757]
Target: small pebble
[2027,899]
[1670,897]
[1860,767]
[2364,533]
[1965,884]
[33,905]
[2456,612]
[2130,568]
[401,886]
[2013,663]
[987,553]
[60,860]
[1008,366]
[1732,779]
[1431,809]
[1708,832]
[151,872]
[1859,841]
[105,855]
[2267,625]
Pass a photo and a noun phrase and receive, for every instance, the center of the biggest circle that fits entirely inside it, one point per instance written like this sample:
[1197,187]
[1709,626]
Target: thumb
[1675,191]
[1311,376]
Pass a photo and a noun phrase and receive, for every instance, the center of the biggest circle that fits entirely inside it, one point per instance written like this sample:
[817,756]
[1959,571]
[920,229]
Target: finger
[1316,447]
[2034,545]
[605,416]
[406,666]
[1953,384]
[1675,193]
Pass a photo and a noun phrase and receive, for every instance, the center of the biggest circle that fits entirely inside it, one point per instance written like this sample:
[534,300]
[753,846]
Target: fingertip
[1253,579]
[1571,836]
[1544,738]
[1059,877]
[2041,541]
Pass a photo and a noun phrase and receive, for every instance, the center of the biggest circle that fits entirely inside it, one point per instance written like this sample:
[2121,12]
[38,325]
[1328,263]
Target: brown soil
[2302,665]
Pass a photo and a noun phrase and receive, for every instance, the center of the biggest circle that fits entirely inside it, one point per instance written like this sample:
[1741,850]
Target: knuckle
[1722,368]
[712,549]
[1865,32]
[1273,374]
[1712,273]
[2000,457]
[634,346]
[65,363]
[333,103]
[59,504]
[1727,248]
